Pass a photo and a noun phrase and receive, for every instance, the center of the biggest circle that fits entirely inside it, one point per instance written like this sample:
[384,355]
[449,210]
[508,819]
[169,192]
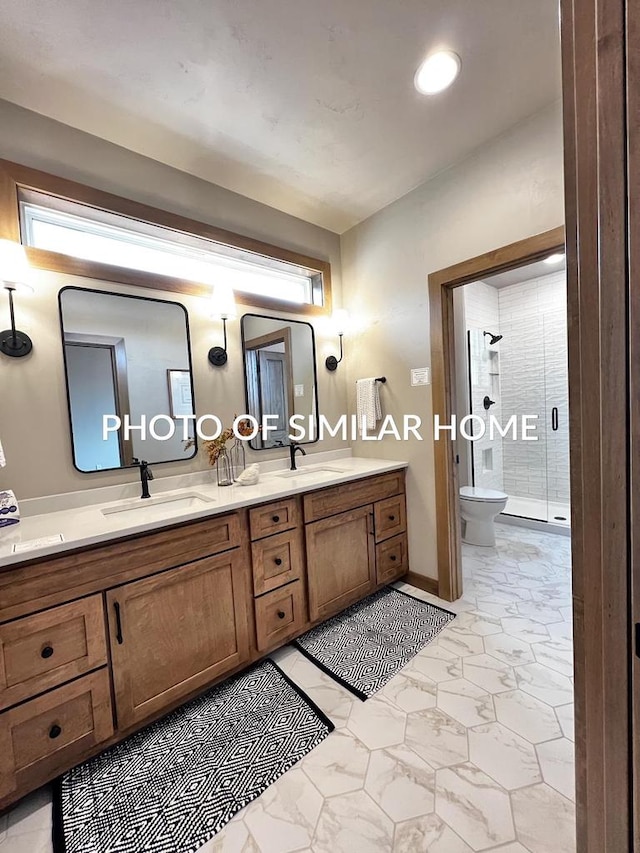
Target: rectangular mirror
[280,376]
[125,355]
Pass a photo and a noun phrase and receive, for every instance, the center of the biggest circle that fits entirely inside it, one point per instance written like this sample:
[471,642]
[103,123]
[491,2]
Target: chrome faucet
[146,474]
[294,448]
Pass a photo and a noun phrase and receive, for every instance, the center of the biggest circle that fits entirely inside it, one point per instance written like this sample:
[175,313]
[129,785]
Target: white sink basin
[154,506]
[311,471]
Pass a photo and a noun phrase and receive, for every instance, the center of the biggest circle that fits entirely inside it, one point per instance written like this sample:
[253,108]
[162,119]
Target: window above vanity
[75,229]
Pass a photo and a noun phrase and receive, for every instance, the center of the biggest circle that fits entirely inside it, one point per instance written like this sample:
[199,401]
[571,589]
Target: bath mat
[364,646]
[172,786]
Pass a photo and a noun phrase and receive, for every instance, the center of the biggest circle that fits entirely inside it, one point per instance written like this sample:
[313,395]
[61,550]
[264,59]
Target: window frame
[15,177]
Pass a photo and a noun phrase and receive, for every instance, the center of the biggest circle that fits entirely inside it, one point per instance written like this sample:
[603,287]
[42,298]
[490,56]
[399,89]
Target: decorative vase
[223,468]
[237,459]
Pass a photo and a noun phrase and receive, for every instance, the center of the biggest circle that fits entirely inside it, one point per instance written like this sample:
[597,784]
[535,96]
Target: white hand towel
[3,461]
[368,408]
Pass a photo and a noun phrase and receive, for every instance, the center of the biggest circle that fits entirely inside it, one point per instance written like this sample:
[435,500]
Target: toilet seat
[476,493]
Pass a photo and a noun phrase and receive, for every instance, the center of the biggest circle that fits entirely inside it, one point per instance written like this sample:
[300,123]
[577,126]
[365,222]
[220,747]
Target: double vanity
[144,604]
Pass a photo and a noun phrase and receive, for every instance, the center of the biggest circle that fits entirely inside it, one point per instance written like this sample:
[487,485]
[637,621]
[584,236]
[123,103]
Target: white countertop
[87,525]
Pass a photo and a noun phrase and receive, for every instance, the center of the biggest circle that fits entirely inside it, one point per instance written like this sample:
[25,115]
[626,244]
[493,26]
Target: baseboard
[422,582]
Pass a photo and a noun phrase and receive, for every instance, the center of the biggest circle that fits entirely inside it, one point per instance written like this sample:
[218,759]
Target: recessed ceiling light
[437,72]
[554,259]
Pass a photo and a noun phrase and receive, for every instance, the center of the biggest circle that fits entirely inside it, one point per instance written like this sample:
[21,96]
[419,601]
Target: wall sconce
[340,320]
[13,271]
[224,308]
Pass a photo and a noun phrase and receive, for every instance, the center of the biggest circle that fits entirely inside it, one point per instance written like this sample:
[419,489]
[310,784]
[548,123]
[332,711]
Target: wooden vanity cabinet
[341,561]
[175,632]
[344,526]
[279,572]
[96,643]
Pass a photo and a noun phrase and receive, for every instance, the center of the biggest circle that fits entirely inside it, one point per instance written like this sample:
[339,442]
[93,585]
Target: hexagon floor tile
[401,783]
[527,716]
[505,756]
[479,809]
[469,748]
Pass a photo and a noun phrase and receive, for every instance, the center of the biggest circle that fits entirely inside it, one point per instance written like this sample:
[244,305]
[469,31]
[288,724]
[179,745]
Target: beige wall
[33,414]
[507,190]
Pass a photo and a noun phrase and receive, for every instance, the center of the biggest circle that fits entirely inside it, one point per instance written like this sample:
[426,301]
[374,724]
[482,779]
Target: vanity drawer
[274,518]
[42,737]
[331,501]
[392,559]
[277,560]
[279,615]
[49,648]
[390,517]
[29,588]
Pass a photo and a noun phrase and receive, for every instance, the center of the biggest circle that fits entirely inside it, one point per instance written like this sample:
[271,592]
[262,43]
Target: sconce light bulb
[223,302]
[341,320]
[14,267]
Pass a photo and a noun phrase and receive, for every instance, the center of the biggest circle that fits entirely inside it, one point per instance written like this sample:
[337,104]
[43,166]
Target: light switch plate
[298,390]
[420,376]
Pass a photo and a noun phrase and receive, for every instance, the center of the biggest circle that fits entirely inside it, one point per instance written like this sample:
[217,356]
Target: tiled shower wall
[533,380]
[482,313]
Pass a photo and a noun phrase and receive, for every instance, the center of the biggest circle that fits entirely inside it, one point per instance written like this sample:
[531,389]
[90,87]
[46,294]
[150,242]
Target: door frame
[442,283]
[118,352]
[277,336]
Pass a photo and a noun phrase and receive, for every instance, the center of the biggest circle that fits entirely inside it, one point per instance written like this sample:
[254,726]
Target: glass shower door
[557,416]
[522,383]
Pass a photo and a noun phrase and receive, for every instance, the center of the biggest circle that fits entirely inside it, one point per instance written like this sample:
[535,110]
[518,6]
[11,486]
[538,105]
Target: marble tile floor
[469,748]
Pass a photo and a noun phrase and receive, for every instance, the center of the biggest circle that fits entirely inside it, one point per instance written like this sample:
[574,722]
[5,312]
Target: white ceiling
[306,105]
[524,273]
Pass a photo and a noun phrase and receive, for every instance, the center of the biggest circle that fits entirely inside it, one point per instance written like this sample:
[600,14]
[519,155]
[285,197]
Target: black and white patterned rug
[364,646]
[170,787]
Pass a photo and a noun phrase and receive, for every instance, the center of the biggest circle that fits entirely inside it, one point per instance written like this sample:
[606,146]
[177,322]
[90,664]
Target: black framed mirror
[280,379]
[125,355]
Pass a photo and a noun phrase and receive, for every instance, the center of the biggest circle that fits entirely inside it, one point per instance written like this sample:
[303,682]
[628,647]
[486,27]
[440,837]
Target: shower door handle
[554,418]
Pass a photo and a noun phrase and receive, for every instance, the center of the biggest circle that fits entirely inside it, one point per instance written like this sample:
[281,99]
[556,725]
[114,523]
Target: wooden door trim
[633,171]
[118,351]
[278,336]
[441,287]
[602,229]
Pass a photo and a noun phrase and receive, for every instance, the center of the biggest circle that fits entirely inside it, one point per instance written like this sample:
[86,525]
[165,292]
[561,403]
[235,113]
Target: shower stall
[518,366]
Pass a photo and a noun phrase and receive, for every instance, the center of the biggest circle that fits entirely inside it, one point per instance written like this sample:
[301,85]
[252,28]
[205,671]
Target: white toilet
[478,508]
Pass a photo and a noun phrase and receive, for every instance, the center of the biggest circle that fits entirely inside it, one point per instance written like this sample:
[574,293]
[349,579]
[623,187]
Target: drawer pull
[281,614]
[55,731]
[393,558]
[46,652]
[278,561]
[116,607]
[275,519]
[392,518]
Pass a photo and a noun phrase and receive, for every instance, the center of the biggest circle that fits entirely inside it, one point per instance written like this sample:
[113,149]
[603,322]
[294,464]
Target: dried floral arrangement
[215,446]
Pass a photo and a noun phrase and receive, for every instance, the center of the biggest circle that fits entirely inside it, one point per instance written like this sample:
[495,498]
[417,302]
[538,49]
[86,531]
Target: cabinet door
[175,632]
[340,561]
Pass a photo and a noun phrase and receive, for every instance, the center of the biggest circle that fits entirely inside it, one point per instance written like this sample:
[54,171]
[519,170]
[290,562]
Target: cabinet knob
[46,652]
[55,731]
[281,614]
[393,558]
[275,519]
[392,518]
[278,561]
